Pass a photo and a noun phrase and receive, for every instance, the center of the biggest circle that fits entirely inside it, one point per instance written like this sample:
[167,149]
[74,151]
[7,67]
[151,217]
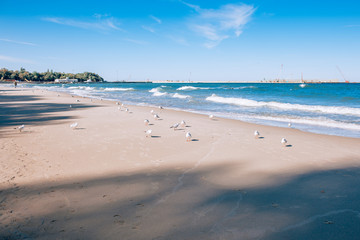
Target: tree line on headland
[48,76]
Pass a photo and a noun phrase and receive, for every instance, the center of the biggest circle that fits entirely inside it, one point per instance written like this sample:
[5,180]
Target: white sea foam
[190,88]
[176,95]
[82,88]
[154,90]
[323,122]
[117,89]
[286,106]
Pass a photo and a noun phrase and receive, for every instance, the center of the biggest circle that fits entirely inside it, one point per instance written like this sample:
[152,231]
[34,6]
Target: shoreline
[312,126]
[107,179]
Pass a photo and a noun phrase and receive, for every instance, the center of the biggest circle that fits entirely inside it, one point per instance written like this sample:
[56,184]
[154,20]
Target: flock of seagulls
[175,126]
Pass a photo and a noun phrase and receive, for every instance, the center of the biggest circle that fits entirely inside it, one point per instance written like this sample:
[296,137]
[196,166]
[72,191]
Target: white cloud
[103,24]
[17,42]
[148,29]
[139,42]
[156,19]
[215,25]
[15,60]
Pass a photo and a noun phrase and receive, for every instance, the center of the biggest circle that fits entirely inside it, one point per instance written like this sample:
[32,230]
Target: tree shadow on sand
[169,204]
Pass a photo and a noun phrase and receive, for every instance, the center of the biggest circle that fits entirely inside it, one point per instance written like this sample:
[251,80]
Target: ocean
[327,108]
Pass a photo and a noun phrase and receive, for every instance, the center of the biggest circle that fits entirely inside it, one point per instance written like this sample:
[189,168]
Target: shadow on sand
[185,205]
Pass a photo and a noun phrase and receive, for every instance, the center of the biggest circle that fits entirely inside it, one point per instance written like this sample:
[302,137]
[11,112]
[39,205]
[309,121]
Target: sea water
[326,108]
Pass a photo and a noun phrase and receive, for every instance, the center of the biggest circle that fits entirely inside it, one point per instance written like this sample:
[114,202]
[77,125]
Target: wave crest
[286,106]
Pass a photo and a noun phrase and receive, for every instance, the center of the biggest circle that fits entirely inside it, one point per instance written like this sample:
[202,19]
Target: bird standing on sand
[156,117]
[152,111]
[126,110]
[148,133]
[175,126]
[117,103]
[211,117]
[146,122]
[284,142]
[188,136]
[74,125]
[289,125]
[183,123]
[256,134]
[21,128]
[160,107]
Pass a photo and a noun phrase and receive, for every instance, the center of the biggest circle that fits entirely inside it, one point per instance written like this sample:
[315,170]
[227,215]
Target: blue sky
[204,40]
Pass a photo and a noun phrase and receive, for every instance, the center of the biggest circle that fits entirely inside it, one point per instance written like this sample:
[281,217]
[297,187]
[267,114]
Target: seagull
[117,103]
[256,134]
[211,116]
[284,141]
[152,111]
[77,100]
[183,123]
[146,122]
[70,106]
[188,136]
[160,107]
[74,125]
[21,128]
[175,126]
[119,108]
[122,105]
[126,110]
[289,125]
[156,117]
[148,133]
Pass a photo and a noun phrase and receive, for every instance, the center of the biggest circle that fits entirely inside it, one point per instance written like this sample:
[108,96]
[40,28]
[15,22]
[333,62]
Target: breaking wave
[286,106]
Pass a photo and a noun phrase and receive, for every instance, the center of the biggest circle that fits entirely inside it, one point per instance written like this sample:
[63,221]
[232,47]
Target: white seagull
[117,103]
[70,106]
[188,136]
[211,117]
[74,125]
[146,122]
[126,110]
[21,128]
[152,111]
[289,125]
[148,133]
[284,142]
[156,117]
[160,107]
[77,100]
[183,123]
[175,126]
[256,134]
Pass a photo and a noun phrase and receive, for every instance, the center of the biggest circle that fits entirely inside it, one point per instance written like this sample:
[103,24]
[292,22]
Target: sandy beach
[107,180]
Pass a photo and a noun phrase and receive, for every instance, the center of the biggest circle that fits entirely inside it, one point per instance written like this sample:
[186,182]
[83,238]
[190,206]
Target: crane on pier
[342,74]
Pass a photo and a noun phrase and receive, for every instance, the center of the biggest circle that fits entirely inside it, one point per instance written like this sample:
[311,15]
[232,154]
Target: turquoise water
[332,109]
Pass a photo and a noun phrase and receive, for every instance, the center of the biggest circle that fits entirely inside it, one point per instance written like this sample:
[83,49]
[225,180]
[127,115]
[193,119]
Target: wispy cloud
[15,60]
[148,29]
[156,19]
[100,23]
[139,42]
[179,40]
[17,42]
[215,25]
[351,26]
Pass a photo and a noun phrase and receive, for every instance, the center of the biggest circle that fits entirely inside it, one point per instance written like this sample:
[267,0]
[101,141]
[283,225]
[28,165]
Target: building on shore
[66,80]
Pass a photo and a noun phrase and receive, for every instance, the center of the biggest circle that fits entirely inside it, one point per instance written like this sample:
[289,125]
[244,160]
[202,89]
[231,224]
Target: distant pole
[342,74]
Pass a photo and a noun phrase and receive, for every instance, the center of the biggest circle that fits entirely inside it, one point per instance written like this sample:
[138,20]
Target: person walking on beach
[15,84]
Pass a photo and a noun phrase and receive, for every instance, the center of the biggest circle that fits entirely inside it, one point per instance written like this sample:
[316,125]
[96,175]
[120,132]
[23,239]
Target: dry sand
[107,180]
